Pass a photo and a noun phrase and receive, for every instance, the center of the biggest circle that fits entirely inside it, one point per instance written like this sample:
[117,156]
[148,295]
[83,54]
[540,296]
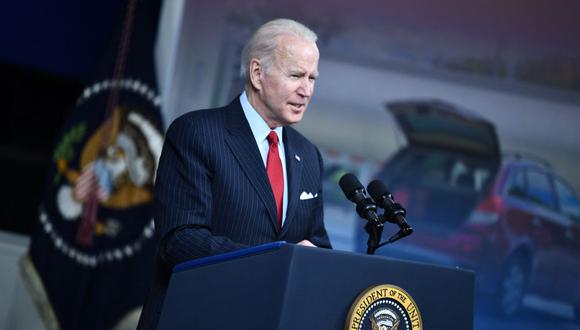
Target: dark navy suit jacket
[213,195]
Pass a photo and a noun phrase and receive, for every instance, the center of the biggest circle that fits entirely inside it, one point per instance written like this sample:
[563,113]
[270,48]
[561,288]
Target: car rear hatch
[434,123]
[451,158]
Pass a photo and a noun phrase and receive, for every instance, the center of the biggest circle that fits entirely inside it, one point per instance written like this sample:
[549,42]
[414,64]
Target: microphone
[355,192]
[394,212]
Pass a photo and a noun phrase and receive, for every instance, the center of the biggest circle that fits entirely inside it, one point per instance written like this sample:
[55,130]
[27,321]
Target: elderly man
[239,176]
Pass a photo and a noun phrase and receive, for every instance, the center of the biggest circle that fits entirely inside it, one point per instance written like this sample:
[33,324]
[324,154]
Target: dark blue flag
[90,262]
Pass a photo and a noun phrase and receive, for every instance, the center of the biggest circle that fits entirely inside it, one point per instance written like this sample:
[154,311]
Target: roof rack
[526,156]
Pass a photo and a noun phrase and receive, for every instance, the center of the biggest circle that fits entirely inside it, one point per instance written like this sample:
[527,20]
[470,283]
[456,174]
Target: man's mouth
[298,106]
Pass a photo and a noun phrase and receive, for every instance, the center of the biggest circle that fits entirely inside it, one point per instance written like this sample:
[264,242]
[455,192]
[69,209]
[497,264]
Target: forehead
[295,51]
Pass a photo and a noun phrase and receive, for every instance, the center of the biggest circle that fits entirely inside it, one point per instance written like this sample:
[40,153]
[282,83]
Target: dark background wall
[48,52]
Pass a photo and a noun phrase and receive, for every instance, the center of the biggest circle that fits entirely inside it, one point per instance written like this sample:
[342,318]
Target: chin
[295,119]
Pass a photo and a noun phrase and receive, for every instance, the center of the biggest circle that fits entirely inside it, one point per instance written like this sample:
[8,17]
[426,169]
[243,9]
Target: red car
[511,219]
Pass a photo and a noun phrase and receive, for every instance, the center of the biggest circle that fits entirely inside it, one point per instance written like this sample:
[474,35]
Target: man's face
[288,84]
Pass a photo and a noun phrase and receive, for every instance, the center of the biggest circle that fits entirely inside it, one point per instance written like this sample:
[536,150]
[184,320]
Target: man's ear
[256,74]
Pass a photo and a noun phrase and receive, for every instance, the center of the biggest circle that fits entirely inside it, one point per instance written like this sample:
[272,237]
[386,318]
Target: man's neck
[257,104]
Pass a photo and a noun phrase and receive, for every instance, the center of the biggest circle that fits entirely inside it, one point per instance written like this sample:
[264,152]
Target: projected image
[471,123]
[513,222]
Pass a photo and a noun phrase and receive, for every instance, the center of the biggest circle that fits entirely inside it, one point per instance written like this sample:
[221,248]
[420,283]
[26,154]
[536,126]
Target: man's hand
[306,243]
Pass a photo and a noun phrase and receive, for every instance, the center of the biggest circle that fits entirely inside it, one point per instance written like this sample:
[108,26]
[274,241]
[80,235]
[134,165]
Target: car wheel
[512,287]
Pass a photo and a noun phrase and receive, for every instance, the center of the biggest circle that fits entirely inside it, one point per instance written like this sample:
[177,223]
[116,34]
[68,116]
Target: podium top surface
[227,256]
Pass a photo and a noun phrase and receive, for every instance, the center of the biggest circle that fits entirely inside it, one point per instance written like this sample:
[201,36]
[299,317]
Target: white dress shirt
[260,129]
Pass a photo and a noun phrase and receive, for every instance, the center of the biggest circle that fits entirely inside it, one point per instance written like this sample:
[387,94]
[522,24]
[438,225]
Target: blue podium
[285,286]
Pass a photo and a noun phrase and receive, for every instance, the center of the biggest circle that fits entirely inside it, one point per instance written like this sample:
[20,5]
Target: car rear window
[440,189]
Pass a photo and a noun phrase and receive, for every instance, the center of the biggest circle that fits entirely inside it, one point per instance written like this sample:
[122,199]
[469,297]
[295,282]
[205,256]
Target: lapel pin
[297,157]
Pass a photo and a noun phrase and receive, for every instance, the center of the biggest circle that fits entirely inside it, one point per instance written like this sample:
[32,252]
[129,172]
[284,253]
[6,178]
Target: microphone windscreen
[377,189]
[349,185]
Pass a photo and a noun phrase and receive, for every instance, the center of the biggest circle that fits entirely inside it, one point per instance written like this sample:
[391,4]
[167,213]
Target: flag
[90,262]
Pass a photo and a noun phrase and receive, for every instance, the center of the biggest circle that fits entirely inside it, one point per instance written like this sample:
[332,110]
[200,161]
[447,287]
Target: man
[238,176]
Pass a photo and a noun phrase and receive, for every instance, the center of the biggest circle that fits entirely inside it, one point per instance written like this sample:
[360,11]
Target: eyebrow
[303,72]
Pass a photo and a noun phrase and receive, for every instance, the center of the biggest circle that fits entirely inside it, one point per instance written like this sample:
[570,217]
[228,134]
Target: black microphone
[355,192]
[394,212]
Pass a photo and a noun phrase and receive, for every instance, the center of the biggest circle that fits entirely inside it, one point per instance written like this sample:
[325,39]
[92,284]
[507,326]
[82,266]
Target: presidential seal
[384,307]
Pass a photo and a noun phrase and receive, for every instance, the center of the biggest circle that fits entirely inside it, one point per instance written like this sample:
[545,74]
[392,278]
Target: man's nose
[306,88]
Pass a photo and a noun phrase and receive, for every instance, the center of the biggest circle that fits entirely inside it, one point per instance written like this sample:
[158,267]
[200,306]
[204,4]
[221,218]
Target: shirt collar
[258,125]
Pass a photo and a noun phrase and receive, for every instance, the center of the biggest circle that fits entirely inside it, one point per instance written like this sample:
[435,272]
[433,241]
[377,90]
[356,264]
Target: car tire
[512,286]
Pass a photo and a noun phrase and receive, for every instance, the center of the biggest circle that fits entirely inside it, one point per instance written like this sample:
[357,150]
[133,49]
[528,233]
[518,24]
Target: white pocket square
[304,195]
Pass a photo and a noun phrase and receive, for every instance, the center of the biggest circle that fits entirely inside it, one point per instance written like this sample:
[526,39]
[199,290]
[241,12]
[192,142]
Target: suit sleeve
[319,236]
[183,198]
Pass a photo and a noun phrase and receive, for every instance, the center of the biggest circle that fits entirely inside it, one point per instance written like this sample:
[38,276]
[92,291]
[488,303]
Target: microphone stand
[375,229]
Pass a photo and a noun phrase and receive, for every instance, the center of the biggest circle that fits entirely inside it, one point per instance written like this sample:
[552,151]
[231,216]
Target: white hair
[264,41]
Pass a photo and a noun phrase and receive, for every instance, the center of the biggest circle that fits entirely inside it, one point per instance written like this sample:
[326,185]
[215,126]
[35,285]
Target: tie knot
[272,137]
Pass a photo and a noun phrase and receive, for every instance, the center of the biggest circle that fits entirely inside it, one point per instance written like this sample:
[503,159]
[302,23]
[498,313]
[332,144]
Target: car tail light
[487,212]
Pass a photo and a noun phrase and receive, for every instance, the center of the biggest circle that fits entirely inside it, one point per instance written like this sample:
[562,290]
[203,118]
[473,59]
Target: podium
[289,287]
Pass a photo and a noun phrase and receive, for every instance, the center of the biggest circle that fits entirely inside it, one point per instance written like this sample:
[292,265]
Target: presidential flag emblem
[102,173]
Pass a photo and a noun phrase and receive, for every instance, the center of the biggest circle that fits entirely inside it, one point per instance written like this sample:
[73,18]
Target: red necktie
[275,174]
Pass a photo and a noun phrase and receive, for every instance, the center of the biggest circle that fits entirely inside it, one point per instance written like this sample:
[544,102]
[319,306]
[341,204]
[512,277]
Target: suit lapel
[294,173]
[243,146]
